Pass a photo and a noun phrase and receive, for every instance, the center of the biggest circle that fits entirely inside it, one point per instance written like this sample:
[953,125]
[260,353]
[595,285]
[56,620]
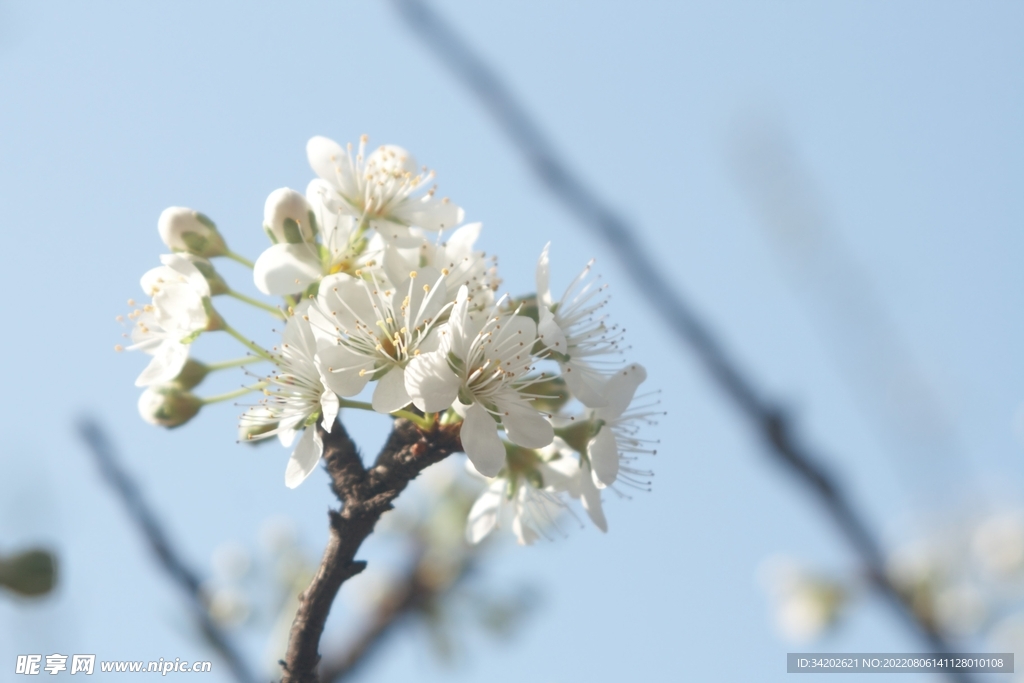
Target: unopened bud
[189,231]
[192,373]
[33,572]
[551,394]
[168,405]
[217,284]
[526,305]
[255,423]
[288,217]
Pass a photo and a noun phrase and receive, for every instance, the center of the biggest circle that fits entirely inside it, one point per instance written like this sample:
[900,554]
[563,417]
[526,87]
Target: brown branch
[365,495]
[765,416]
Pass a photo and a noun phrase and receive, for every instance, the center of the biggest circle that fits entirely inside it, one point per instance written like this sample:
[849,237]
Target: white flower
[177,314]
[454,258]
[369,330]
[524,497]
[385,188]
[189,231]
[481,369]
[297,399]
[574,335]
[582,486]
[616,443]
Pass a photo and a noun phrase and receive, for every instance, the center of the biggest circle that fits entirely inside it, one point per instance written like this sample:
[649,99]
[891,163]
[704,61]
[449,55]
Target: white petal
[390,395]
[591,499]
[325,156]
[304,458]
[396,234]
[329,406]
[481,442]
[347,300]
[619,391]
[586,384]
[460,243]
[604,455]
[524,425]
[544,279]
[550,333]
[430,382]
[287,436]
[167,362]
[287,269]
[432,213]
[340,370]
[483,516]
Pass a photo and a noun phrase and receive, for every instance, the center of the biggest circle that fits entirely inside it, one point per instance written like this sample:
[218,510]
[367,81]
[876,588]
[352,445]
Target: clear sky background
[906,115]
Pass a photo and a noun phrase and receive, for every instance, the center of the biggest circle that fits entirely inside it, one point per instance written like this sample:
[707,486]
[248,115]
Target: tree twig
[764,415]
[168,556]
[365,495]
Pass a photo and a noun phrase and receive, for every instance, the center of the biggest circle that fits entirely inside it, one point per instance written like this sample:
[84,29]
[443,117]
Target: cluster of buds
[380,283]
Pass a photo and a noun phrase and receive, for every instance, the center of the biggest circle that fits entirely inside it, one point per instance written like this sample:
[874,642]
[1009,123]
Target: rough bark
[365,495]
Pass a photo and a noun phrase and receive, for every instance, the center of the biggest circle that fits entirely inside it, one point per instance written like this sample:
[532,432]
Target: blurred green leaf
[31,573]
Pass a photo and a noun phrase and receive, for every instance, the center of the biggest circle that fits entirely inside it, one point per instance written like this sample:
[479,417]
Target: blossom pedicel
[374,291]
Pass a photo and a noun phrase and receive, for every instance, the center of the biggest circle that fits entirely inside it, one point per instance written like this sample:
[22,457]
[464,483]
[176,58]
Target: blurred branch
[764,415]
[170,559]
[864,340]
[365,495]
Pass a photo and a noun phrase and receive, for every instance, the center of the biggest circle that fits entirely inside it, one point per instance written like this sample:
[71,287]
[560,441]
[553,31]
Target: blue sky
[906,116]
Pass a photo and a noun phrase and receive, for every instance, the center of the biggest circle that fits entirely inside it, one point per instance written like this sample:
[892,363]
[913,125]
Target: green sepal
[292,231]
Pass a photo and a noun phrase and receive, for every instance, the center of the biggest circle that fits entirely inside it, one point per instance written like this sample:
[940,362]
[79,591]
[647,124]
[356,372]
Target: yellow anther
[444,271]
[118,348]
[426,288]
[412,274]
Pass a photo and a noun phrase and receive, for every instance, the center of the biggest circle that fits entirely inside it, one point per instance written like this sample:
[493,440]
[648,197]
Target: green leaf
[31,573]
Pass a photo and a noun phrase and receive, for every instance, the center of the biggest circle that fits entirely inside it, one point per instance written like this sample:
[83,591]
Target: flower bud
[254,424]
[549,395]
[288,217]
[189,231]
[31,573]
[168,405]
[191,374]
[217,284]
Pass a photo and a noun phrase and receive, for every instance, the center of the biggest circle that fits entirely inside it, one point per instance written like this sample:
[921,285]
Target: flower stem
[241,259]
[233,394]
[252,346]
[424,422]
[234,363]
[359,405]
[257,303]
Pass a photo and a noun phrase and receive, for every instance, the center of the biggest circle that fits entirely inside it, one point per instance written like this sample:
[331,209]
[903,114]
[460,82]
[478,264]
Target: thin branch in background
[401,601]
[765,415]
[170,559]
[865,343]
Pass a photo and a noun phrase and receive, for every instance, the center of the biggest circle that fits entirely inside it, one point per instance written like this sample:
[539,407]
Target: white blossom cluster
[380,282]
